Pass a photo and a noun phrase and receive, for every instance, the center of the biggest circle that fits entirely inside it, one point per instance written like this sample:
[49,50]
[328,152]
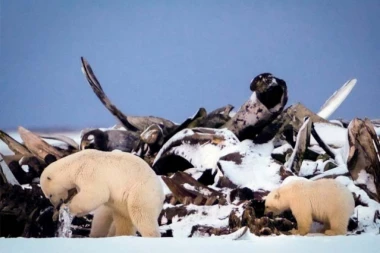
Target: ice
[65,219]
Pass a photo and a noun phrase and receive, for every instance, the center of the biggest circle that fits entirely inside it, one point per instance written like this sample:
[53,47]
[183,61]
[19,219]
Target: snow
[216,216]
[249,243]
[309,167]
[200,155]
[364,214]
[330,134]
[377,130]
[282,149]
[257,171]
[204,191]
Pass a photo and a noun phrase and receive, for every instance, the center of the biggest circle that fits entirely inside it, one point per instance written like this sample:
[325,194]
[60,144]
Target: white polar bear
[325,200]
[116,184]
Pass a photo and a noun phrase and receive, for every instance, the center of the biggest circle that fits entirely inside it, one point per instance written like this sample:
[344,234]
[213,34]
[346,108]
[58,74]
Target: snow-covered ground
[367,242]
[362,243]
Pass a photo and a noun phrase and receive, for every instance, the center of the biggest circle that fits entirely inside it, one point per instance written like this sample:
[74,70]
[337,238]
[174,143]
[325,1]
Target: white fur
[116,184]
[325,200]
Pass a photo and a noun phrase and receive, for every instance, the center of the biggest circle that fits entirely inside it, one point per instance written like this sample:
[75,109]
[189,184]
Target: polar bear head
[275,204]
[53,190]
[57,187]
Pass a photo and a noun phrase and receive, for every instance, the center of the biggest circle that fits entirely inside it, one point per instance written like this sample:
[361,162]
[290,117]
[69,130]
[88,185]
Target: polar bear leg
[145,205]
[338,225]
[146,222]
[326,226]
[123,225]
[85,201]
[112,230]
[101,222]
[303,215]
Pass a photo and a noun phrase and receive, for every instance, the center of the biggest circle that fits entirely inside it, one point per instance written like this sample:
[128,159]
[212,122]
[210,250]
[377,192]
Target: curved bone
[132,123]
[62,138]
[336,99]
[14,145]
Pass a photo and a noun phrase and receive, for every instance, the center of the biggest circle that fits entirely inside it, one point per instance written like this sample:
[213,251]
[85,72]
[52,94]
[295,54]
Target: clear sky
[168,58]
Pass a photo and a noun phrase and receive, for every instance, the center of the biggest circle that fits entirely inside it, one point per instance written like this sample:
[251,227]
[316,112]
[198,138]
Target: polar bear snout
[56,202]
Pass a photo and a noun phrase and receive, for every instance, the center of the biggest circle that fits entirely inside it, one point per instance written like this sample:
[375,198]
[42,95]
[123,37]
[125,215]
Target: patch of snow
[317,149]
[26,186]
[204,191]
[377,130]
[257,170]
[215,216]
[25,168]
[282,149]
[200,155]
[308,168]
[364,214]
[330,134]
[195,172]
[189,187]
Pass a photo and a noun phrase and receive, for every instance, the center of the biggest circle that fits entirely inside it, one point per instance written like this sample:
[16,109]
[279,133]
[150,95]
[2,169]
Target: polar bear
[109,183]
[325,200]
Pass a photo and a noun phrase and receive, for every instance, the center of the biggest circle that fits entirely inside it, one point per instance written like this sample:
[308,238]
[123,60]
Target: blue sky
[168,58]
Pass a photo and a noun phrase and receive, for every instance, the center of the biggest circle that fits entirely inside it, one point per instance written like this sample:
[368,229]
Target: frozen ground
[309,244]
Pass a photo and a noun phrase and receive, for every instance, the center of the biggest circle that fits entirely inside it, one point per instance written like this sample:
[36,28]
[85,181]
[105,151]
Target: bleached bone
[336,99]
